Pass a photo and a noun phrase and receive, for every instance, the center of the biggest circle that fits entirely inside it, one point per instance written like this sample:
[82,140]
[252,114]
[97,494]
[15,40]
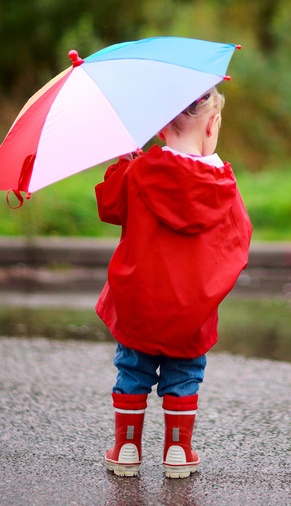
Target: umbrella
[106,105]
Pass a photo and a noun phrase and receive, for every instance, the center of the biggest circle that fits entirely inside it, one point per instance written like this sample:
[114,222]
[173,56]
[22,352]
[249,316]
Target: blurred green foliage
[36,38]
[68,208]
[267,198]
[255,137]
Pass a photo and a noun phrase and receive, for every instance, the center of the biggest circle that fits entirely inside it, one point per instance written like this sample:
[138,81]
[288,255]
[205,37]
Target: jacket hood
[187,195]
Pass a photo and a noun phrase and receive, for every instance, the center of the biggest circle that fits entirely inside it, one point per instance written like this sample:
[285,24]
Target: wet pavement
[56,423]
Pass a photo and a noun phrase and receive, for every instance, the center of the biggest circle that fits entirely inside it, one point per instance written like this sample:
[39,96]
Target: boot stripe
[130,432]
[167,412]
[176,435]
[130,411]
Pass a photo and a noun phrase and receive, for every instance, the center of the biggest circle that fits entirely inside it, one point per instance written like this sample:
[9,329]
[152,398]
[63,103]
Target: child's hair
[212,100]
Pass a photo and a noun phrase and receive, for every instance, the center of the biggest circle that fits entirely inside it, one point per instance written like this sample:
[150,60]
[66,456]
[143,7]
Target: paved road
[56,423]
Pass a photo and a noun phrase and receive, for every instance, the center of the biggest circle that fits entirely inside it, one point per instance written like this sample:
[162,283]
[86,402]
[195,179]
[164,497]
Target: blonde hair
[210,101]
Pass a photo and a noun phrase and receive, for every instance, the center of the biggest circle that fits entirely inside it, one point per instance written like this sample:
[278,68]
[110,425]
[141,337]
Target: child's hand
[131,156]
[137,153]
[127,156]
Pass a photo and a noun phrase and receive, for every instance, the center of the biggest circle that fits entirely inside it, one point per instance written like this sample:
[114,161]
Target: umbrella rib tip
[76,60]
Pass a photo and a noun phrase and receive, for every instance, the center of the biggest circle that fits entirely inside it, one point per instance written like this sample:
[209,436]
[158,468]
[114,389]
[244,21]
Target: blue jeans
[138,372]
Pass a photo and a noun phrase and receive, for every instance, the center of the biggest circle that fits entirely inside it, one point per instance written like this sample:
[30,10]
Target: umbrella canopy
[108,104]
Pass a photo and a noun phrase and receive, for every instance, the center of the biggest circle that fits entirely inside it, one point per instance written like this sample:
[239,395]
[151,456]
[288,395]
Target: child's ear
[212,124]
[161,135]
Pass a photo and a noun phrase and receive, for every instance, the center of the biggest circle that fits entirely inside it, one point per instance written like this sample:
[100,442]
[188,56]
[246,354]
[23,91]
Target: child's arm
[122,160]
[111,195]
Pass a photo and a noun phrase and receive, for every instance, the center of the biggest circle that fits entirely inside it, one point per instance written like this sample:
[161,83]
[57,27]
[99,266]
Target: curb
[89,252]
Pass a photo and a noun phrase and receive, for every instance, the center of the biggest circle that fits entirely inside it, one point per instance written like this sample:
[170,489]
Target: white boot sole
[123,469]
[179,471]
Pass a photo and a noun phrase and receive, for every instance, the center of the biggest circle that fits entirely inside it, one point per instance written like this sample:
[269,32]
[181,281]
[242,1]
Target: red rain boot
[179,459]
[125,457]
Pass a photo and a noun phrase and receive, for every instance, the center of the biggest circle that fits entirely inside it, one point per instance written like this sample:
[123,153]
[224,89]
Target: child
[184,241]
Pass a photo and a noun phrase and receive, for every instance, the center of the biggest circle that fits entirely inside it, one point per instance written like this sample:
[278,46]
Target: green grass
[257,327]
[267,196]
[68,208]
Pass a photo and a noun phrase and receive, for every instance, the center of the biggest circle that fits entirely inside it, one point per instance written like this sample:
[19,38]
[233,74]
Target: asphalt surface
[56,423]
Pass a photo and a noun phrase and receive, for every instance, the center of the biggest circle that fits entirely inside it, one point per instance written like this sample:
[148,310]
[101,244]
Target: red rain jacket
[185,239]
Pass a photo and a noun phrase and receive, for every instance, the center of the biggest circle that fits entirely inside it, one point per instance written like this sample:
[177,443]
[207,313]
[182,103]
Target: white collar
[213,160]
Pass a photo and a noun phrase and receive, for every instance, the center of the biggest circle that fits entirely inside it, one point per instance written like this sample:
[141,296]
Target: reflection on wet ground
[257,326]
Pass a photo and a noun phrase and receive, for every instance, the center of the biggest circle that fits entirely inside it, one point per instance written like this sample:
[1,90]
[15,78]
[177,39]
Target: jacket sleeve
[185,194]
[111,194]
